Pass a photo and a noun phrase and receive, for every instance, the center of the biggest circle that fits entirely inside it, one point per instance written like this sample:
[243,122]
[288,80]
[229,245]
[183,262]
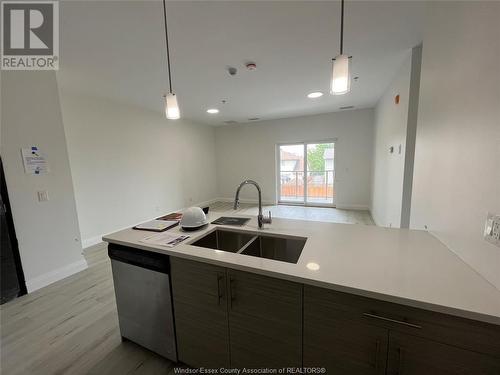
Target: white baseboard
[56,275]
[271,203]
[352,207]
[249,201]
[205,203]
[375,219]
[91,242]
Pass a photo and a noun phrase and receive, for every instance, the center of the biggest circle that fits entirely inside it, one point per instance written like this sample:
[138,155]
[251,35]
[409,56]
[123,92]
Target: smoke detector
[251,66]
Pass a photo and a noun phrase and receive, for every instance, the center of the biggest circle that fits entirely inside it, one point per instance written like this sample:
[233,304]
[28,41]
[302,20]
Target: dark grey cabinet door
[200,309]
[265,321]
[411,355]
[341,345]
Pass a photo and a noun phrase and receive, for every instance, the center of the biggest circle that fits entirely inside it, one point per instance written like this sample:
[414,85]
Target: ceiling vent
[347,107]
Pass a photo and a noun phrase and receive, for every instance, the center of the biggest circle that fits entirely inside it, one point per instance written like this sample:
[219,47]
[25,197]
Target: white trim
[88,242]
[249,201]
[56,275]
[375,219]
[205,203]
[353,207]
[317,205]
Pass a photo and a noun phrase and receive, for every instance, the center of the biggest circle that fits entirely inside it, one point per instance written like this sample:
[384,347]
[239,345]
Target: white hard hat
[193,218]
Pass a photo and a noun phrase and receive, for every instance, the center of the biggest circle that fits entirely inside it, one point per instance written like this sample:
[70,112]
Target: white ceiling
[116,50]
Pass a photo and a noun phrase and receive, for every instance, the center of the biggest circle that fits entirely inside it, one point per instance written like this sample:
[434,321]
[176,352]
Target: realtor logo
[30,35]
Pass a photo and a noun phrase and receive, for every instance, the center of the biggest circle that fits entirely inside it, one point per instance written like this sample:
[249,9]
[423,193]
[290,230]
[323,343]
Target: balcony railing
[320,186]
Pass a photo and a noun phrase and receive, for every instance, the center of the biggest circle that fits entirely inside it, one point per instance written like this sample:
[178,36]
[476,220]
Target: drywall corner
[411,134]
[47,232]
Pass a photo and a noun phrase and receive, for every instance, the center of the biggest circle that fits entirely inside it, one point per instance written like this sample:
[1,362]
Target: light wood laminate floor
[71,327]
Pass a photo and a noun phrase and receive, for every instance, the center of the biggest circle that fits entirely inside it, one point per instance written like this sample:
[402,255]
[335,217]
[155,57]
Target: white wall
[457,156]
[395,127]
[47,232]
[249,151]
[388,168]
[131,164]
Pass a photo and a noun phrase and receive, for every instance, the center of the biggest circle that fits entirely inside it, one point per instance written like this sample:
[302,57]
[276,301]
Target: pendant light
[171,106]
[341,78]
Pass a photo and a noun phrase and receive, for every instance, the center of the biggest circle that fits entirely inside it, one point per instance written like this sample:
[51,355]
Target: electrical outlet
[492,229]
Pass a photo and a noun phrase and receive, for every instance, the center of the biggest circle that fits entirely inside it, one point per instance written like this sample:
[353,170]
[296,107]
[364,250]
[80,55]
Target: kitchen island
[359,297]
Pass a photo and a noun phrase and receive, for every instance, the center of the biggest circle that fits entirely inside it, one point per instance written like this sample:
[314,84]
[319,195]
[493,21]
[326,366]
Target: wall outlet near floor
[492,229]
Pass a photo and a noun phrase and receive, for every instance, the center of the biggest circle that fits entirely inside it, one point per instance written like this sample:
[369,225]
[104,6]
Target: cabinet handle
[220,295]
[400,361]
[232,294]
[368,315]
[377,355]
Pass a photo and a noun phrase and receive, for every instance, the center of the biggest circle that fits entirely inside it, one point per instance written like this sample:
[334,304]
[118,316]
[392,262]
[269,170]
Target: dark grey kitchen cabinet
[200,310]
[232,318]
[341,345]
[229,318]
[350,334]
[412,355]
[265,321]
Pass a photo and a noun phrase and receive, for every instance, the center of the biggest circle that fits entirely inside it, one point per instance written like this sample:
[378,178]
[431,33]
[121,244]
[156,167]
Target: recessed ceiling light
[213,111]
[314,95]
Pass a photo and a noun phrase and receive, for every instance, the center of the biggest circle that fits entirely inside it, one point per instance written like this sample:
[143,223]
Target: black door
[12,282]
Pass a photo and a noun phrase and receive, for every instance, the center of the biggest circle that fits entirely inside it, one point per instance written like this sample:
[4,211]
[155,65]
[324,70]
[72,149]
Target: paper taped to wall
[34,161]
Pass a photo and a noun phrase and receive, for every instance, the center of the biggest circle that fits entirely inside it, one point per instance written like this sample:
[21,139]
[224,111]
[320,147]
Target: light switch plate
[43,196]
[492,229]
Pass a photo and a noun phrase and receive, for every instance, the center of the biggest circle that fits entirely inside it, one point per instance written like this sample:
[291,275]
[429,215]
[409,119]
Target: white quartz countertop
[396,265]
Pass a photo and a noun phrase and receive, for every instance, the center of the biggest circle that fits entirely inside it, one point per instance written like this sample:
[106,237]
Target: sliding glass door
[291,173]
[320,173]
[307,173]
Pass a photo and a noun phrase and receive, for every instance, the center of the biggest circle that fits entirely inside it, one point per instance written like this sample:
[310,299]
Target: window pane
[320,172]
[292,173]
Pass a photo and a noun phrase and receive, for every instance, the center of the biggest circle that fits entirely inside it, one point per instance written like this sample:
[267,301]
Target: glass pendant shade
[171,107]
[341,78]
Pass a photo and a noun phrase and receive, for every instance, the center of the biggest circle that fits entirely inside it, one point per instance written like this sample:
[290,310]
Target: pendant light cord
[166,43]
[342,28]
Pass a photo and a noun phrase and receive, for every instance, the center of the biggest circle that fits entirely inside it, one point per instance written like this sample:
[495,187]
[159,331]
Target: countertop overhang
[408,267]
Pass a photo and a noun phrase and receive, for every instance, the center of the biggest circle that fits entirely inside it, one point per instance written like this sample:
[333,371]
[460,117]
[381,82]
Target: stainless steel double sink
[282,248]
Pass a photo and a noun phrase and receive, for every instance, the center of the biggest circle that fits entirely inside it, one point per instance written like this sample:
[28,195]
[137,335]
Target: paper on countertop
[164,239]
[157,225]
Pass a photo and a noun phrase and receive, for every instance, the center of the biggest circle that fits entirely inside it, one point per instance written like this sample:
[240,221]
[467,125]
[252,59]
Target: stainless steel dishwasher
[143,298]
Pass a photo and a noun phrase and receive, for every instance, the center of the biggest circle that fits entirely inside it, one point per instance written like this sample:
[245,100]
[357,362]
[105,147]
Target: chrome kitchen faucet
[260,218]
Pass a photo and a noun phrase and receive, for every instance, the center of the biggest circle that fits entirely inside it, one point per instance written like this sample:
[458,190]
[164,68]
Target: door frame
[278,172]
[12,232]
[278,175]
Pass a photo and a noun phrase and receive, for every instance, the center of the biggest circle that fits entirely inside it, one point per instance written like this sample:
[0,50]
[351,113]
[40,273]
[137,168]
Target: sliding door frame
[305,172]
[278,174]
